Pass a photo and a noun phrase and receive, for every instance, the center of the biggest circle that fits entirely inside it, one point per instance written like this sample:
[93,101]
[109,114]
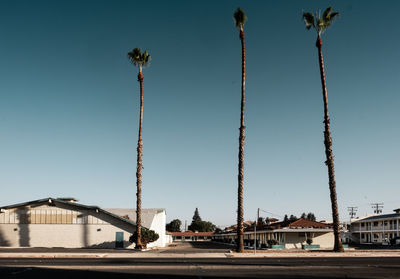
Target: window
[376,224]
[362,236]
[362,225]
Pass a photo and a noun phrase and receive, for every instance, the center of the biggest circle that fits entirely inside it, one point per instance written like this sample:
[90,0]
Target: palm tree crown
[320,23]
[240,18]
[138,58]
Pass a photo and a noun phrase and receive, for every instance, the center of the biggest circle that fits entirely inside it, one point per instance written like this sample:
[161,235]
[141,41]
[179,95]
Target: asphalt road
[169,263]
[382,267]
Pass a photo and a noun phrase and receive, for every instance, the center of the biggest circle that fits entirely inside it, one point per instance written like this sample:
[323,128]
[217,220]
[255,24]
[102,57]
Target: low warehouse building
[64,223]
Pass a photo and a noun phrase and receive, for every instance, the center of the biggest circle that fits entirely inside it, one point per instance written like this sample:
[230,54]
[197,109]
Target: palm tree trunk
[139,171]
[338,247]
[240,246]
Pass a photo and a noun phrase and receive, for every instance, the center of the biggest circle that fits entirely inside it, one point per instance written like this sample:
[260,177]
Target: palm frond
[308,20]
[146,58]
[240,18]
[332,16]
[326,13]
[320,23]
[138,58]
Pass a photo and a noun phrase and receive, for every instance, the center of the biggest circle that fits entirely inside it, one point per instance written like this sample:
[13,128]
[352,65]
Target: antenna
[377,207]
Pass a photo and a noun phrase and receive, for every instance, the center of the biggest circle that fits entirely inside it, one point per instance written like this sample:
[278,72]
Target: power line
[271,213]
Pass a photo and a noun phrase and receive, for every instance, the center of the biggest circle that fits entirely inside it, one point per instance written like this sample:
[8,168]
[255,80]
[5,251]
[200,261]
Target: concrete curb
[203,255]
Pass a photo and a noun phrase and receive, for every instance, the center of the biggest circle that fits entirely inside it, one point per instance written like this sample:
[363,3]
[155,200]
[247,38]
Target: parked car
[395,241]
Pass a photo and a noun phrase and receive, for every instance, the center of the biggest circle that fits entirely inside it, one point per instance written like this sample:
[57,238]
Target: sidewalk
[157,254]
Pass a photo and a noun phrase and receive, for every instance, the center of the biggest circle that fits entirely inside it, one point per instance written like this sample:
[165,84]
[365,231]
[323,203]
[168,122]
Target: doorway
[119,240]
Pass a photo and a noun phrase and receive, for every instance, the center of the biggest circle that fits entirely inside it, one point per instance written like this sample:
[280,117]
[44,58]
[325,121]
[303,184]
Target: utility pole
[377,207]
[258,215]
[185,225]
[352,211]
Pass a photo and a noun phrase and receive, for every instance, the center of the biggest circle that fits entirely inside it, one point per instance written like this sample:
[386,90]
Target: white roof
[148,214]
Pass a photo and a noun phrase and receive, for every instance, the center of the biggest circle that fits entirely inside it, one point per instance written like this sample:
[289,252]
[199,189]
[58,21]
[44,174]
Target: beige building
[376,229]
[64,223]
[286,234]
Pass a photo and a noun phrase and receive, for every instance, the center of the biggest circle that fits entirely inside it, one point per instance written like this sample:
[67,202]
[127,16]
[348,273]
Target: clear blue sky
[69,105]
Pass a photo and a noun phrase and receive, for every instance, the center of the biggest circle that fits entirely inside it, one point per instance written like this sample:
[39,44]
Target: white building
[64,223]
[376,229]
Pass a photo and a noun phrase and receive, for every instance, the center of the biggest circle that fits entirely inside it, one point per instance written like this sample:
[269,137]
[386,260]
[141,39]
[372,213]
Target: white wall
[61,235]
[324,240]
[61,226]
[158,225]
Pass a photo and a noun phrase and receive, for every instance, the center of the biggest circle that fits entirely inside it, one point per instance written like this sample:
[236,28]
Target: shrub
[147,236]
[309,241]
[271,242]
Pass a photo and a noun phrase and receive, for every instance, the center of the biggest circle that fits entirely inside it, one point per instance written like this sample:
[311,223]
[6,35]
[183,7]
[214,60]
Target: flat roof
[379,217]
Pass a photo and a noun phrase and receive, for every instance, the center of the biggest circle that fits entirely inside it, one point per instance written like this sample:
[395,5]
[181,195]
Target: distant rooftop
[380,216]
[190,233]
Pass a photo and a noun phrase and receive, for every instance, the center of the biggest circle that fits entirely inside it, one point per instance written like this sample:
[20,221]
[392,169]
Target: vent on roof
[68,199]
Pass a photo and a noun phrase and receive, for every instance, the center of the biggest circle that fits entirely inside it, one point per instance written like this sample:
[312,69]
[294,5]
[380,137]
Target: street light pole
[255,237]
[255,230]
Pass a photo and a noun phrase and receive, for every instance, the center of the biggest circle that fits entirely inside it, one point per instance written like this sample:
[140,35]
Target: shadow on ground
[24,272]
[209,245]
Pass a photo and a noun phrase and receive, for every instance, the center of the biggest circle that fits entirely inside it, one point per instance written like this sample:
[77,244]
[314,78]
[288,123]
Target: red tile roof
[190,233]
[305,223]
[297,224]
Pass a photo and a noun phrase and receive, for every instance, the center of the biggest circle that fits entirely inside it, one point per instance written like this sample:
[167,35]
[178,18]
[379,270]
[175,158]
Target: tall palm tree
[320,24]
[240,19]
[141,60]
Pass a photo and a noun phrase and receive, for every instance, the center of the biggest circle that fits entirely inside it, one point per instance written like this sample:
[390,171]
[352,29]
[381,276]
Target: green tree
[240,19]
[199,225]
[261,221]
[304,216]
[311,217]
[196,216]
[320,24]
[146,236]
[174,226]
[141,60]
[202,226]
[292,218]
[286,218]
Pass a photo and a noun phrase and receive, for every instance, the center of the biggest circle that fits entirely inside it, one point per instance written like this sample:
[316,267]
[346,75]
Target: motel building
[376,229]
[192,236]
[285,235]
[63,222]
